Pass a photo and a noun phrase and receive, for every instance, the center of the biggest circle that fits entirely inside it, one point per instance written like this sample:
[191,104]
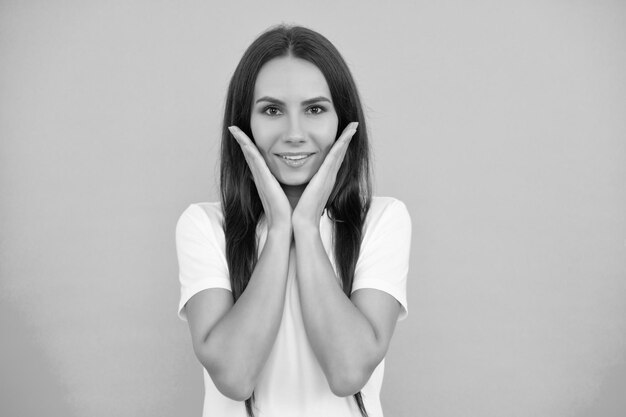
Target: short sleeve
[383,262]
[201,260]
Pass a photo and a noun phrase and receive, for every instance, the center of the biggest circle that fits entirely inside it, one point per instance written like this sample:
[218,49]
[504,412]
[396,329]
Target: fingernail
[232,129]
[354,125]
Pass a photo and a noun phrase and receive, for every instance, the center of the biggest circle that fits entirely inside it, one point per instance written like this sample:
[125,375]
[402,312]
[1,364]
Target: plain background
[501,125]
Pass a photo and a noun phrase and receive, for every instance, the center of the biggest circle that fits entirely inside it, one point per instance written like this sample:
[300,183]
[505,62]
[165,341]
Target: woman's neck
[293,193]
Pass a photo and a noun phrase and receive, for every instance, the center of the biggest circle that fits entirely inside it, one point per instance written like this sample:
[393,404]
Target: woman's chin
[294,180]
[294,186]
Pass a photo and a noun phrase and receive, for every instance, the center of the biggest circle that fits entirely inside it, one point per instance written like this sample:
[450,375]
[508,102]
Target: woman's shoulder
[386,206]
[206,216]
[386,213]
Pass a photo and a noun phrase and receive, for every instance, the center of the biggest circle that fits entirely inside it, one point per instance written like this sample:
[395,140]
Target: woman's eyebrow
[305,102]
[270,100]
[316,100]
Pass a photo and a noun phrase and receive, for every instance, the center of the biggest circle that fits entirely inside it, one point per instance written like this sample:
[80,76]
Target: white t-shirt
[292,382]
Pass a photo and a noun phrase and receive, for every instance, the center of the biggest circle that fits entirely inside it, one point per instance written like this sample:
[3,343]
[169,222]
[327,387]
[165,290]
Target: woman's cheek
[262,135]
[326,134]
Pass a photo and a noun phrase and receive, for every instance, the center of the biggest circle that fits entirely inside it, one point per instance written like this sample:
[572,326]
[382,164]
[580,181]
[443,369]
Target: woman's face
[293,121]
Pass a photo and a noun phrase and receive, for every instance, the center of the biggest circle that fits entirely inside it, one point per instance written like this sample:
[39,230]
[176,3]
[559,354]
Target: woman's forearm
[237,347]
[342,338]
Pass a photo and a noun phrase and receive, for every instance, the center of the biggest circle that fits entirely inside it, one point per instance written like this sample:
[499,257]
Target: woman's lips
[295,159]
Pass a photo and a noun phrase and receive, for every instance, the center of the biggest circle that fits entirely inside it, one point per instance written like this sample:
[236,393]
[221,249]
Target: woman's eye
[272,111]
[315,110]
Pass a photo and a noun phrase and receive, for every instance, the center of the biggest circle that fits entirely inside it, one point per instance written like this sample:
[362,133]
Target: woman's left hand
[314,198]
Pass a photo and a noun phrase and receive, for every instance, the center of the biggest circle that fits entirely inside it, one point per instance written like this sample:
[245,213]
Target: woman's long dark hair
[349,201]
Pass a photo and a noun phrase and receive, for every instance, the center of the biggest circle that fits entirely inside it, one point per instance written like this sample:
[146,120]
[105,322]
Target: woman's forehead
[288,78]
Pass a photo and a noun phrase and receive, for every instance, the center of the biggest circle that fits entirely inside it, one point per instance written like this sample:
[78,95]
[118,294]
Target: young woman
[293,283]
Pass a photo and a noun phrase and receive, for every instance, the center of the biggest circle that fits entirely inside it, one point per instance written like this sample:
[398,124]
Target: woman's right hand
[275,203]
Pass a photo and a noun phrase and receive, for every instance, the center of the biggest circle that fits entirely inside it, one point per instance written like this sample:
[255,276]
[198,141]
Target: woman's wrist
[280,230]
[305,220]
[304,227]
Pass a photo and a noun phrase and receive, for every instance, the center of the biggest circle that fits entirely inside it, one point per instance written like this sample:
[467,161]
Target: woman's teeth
[295,160]
[294,157]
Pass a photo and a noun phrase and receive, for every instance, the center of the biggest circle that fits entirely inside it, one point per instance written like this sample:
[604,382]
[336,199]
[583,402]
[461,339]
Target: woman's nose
[294,132]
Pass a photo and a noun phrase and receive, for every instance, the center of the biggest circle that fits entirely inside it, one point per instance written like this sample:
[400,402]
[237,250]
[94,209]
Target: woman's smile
[295,159]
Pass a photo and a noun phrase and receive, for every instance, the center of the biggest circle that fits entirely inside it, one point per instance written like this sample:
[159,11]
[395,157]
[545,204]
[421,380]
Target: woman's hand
[314,198]
[275,203]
